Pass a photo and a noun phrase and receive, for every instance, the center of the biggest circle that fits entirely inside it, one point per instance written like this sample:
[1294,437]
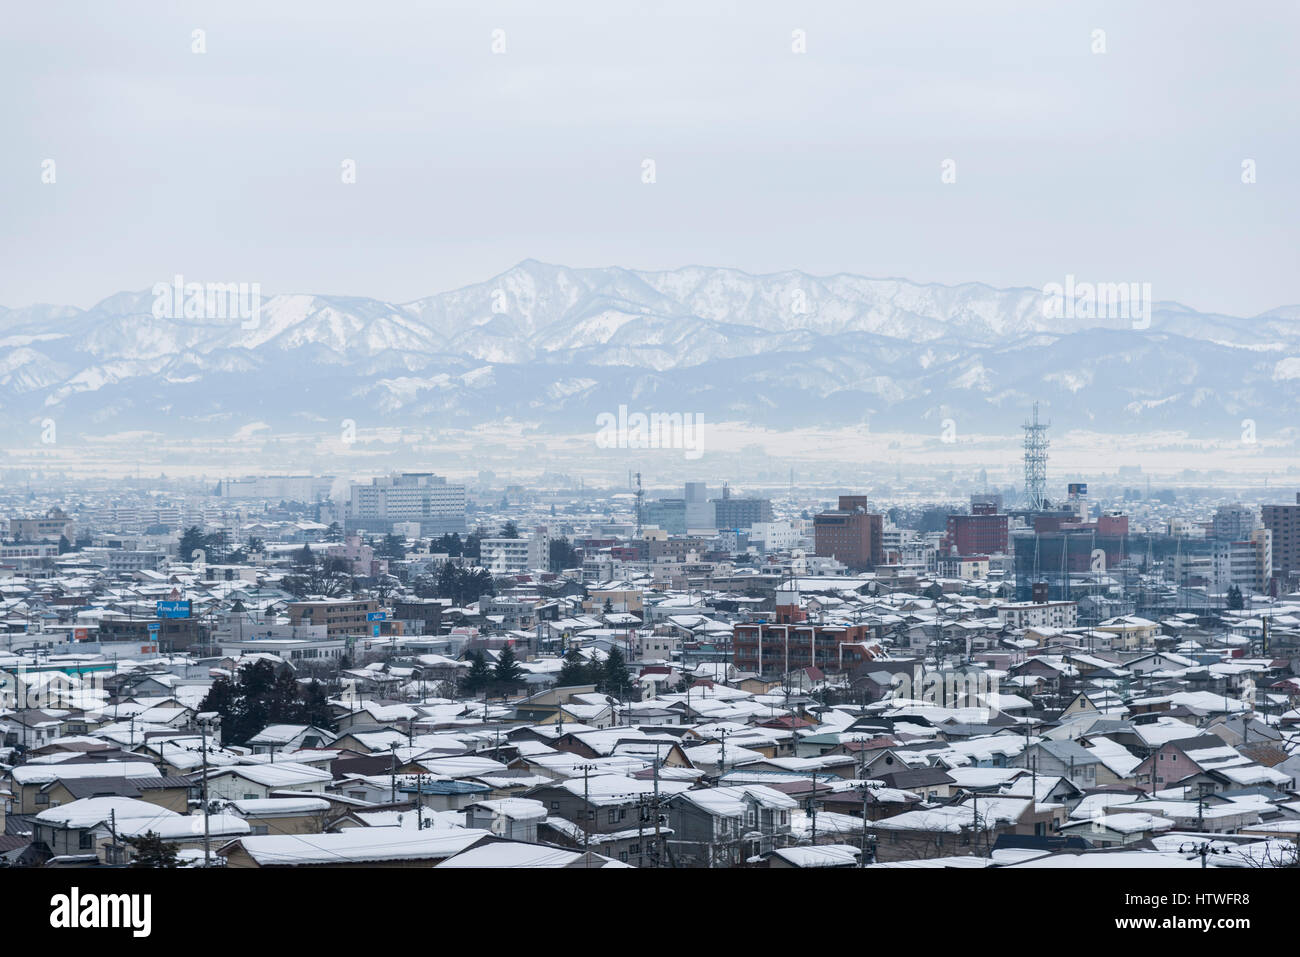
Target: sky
[226,165]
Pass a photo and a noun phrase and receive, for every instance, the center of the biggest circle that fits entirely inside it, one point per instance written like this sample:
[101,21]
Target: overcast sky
[225,166]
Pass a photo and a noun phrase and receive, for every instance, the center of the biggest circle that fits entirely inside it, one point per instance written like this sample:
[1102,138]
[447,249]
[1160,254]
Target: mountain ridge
[556,345]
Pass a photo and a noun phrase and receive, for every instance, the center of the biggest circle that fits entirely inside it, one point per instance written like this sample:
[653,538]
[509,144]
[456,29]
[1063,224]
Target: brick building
[983,532]
[850,534]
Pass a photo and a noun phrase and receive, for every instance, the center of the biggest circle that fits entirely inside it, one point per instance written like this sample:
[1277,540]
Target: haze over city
[639,437]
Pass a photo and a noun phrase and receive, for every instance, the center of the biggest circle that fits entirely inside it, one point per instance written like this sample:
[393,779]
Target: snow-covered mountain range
[557,346]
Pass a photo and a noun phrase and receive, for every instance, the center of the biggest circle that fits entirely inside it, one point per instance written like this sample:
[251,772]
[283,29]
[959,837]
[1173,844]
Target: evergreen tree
[258,696]
[1236,602]
[508,674]
[392,548]
[450,544]
[479,676]
[191,539]
[478,584]
[615,680]
[152,851]
[315,706]
[563,555]
[574,670]
[471,548]
[511,530]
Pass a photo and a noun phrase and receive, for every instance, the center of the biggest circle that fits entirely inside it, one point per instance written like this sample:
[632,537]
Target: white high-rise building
[409,497]
[1246,564]
[509,555]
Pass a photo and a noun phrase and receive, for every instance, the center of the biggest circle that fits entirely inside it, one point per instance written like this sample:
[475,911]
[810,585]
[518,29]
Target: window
[250,797]
[42,798]
[555,805]
[85,840]
[259,829]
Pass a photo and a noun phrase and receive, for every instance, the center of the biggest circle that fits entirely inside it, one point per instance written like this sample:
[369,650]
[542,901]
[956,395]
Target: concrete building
[1234,523]
[1284,522]
[507,555]
[340,616]
[48,528]
[1247,564]
[850,534]
[279,488]
[409,497]
[699,510]
[983,532]
[731,512]
[1049,614]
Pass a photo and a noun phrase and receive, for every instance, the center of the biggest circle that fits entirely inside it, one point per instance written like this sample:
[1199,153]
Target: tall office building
[1247,564]
[983,532]
[409,497]
[1284,522]
[699,510]
[1234,523]
[731,512]
[850,534]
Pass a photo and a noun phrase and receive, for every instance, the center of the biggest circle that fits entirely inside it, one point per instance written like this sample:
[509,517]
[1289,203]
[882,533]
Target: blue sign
[376,633]
[376,616]
[173,609]
[153,626]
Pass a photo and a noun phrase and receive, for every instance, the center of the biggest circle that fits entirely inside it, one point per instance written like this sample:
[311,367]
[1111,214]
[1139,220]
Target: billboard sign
[173,609]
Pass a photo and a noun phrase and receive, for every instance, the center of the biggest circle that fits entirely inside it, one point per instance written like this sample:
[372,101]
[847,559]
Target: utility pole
[207,833]
[862,857]
[392,774]
[656,805]
[586,800]
[812,807]
[419,801]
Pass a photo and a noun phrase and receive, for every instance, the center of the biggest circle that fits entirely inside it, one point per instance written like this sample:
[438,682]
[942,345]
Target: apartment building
[768,648]
[850,534]
[409,497]
[1283,521]
[1048,614]
[340,616]
[509,555]
[1246,564]
[48,528]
